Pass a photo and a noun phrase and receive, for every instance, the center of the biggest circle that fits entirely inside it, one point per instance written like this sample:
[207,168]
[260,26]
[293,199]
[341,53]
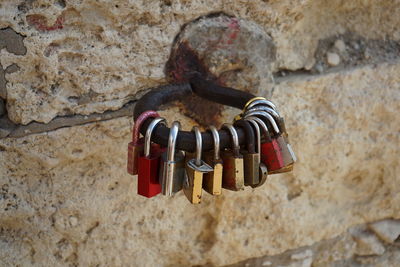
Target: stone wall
[70,74]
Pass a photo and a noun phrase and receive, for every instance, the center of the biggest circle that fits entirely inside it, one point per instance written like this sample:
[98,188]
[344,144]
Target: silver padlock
[172,169]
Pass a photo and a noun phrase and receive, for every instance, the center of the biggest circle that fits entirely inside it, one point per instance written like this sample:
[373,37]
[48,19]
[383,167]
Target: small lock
[195,168]
[172,166]
[271,154]
[136,146]
[149,164]
[251,158]
[212,181]
[262,168]
[289,158]
[233,171]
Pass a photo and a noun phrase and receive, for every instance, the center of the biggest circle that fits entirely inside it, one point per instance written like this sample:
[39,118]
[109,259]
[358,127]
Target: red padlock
[135,148]
[271,154]
[149,164]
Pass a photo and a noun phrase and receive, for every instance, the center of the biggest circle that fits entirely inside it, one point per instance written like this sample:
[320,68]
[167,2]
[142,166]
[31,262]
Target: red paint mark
[235,28]
[40,22]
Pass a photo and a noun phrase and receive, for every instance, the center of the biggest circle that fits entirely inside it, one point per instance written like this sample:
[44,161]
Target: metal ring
[173,134]
[199,144]
[147,136]
[215,135]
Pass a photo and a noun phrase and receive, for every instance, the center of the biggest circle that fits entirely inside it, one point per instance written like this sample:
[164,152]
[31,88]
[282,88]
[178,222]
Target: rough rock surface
[65,196]
[91,56]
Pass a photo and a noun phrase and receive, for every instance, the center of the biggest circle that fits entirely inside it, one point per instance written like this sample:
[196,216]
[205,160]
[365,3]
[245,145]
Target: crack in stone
[9,129]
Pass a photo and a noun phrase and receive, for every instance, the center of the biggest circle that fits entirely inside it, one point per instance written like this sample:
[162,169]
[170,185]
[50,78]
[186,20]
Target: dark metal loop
[249,133]
[168,93]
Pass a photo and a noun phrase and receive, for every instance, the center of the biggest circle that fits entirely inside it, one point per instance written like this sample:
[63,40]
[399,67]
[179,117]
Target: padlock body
[134,150]
[271,155]
[148,173]
[251,168]
[212,181]
[263,174]
[172,173]
[233,171]
[288,156]
[193,186]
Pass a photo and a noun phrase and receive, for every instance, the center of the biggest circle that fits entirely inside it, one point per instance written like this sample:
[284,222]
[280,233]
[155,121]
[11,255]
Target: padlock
[251,159]
[212,181]
[289,158]
[271,154]
[263,170]
[233,171]
[195,168]
[135,147]
[281,138]
[149,164]
[172,166]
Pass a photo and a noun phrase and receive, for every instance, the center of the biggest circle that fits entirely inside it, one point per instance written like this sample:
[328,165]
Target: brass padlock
[172,169]
[233,172]
[263,170]
[251,158]
[212,181]
[195,168]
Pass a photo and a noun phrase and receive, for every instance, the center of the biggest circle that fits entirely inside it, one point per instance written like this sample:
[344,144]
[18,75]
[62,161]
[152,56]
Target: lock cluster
[263,149]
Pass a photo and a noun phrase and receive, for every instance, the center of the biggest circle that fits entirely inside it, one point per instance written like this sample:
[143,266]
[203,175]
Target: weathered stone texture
[91,56]
[66,197]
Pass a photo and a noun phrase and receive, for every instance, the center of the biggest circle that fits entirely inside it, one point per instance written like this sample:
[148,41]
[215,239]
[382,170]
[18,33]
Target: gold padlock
[233,172]
[250,157]
[212,181]
[195,168]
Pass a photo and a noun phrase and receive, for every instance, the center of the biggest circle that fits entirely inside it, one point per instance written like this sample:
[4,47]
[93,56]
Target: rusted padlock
[149,164]
[233,172]
[135,147]
[212,181]
[251,158]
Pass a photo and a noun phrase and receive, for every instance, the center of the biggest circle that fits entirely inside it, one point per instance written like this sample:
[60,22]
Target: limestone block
[67,194]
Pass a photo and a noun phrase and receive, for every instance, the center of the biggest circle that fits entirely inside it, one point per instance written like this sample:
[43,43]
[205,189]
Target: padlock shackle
[267,116]
[147,137]
[260,101]
[249,133]
[216,140]
[263,126]
[138,124]
[257,131]
[269,110]
[199,144]
[173,134]
[234,137]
